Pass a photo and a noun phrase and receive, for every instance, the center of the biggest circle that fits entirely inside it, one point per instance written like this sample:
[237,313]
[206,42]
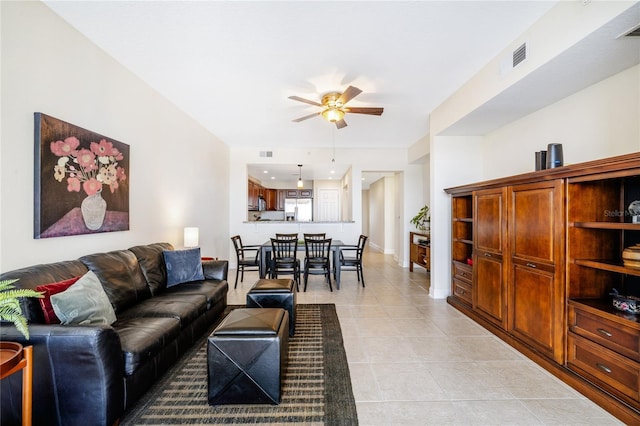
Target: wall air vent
[520,54]
[266,154]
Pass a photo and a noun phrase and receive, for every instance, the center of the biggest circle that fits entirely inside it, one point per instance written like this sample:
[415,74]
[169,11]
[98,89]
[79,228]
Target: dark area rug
[316,387]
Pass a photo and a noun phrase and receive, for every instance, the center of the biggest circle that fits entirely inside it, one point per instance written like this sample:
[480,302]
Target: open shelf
[608,265]
[607,225]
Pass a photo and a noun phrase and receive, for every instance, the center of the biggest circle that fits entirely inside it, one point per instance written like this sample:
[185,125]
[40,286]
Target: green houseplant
[422,218]
[10,309]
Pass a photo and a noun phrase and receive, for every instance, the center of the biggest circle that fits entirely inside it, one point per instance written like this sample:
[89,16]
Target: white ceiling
[232,64]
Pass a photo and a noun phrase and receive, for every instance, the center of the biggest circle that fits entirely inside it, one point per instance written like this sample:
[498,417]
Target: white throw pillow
[85,302]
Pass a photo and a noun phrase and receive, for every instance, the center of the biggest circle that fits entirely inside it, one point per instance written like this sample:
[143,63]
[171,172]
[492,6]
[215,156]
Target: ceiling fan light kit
[334,107]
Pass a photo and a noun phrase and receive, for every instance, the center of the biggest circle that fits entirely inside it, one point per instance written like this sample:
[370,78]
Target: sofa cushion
[185,307]
[152,265]
[49,290]
[143,338]
[85,302]
[183,266]
[212,290]
[121,277]
[33,276]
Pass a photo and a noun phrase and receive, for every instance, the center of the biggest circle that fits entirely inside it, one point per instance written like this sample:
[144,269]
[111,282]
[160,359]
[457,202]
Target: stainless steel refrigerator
[298,209]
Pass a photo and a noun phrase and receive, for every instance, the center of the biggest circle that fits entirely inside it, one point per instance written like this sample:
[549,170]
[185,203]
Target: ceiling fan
[334,107]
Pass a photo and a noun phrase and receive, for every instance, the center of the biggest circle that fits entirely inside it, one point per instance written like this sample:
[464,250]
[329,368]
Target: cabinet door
[292,193]
[252,196]
[490,225]
[536,282]
[282,194]
[271,196]
[306,193]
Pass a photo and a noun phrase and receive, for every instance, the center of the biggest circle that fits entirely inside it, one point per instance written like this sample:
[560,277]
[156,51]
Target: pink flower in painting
[90,168]
[120,173]
[92,186]
[66,147]
[87,160]
[104,149]
[73,184]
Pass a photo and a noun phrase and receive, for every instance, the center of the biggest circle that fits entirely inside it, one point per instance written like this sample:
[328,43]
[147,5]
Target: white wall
[179,171]
[600,121]
[455,160]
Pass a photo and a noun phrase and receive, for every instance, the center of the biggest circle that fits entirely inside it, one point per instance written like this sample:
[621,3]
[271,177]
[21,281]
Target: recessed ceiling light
[266,172]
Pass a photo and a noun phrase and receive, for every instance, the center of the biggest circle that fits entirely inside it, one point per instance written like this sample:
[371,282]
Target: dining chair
[284,258]
[281,236]
[317,259]
[351,258]
[247,261]
[321,236]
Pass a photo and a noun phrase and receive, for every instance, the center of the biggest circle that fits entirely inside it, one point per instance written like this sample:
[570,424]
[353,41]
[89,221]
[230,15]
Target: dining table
[336,246]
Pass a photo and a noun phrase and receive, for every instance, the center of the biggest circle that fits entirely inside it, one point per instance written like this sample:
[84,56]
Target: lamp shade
[191,236]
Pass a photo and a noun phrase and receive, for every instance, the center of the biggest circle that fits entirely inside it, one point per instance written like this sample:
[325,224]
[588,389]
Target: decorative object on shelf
[72,167]
[10,309]
[554,155]
[631,256]
[541,160]
[634,210]
[630,304]
[423,219]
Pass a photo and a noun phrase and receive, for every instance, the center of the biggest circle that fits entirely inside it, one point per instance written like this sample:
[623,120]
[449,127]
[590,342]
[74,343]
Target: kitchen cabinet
[419,250]
[271,198]
[282,195]
[298,193]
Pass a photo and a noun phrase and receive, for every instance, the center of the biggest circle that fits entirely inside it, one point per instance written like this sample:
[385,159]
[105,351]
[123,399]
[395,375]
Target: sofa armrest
[215,269]
[77,375]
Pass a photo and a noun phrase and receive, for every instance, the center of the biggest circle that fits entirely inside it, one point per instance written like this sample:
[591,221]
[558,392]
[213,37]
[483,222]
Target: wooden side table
[13,358]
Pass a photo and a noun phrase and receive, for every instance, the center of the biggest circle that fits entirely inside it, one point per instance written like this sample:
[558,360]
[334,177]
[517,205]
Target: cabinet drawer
[615,336]
[462,290]
[462,272]
[604,366]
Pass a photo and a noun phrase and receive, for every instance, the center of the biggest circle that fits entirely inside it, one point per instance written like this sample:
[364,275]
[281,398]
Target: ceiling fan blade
[365,110]
[306,101]
[306,117]
[349,94]
[340,124]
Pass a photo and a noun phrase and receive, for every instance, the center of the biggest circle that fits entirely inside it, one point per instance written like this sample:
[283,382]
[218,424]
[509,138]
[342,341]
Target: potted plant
[422,219]
[10,309]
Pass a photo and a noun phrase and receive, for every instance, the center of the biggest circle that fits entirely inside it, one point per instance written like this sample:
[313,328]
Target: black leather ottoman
[275,293]
[247,357]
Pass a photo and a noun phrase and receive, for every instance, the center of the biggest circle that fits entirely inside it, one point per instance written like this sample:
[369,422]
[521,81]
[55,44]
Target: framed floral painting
[81,180]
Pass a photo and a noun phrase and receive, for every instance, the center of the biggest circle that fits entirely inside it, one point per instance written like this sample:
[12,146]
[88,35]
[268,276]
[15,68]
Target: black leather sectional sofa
[90,374]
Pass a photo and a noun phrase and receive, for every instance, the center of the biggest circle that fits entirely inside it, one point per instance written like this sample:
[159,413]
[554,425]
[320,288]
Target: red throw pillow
[49,290]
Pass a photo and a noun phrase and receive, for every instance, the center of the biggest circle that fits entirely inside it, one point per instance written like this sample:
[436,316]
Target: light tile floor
[418,361]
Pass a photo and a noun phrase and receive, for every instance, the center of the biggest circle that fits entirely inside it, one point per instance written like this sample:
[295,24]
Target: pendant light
[300,184]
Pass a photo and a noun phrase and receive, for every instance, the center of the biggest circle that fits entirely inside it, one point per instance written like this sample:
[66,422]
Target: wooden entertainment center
[534,259]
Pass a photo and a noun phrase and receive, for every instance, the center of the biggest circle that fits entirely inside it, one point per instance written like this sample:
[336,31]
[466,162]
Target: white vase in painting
[93,208]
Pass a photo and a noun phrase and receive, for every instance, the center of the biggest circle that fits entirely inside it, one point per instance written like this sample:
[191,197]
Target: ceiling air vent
[520,54]
[634,32]
[266,154]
